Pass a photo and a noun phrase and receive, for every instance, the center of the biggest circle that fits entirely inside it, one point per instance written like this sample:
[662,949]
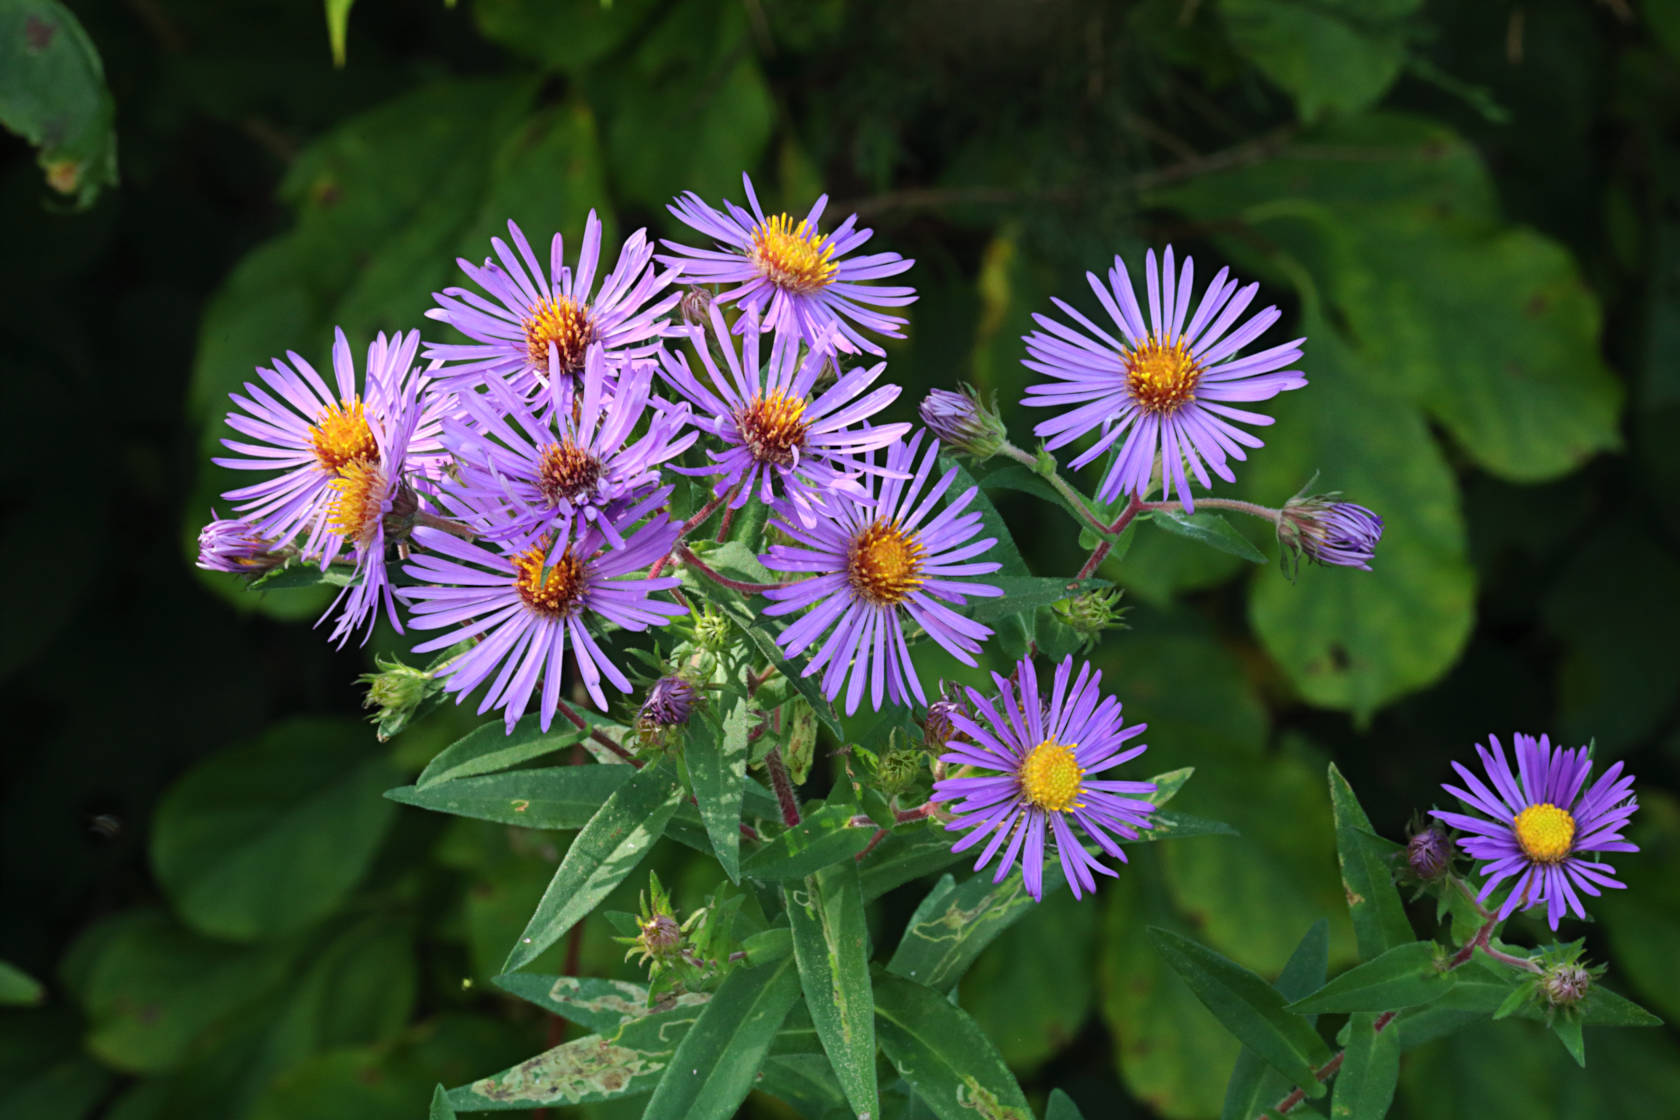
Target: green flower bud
[396,691]
[1090,614]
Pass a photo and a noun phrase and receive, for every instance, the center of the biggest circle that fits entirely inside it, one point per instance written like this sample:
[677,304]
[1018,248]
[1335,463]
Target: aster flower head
[783,438]
[877,560]
[669,703]
[228,544]
[1169,388]
[571,458]
[527,601]
[308,437]
[1328,531]
[1540,825]
[963,423]
[800,281]
[1043,753]
[530,327]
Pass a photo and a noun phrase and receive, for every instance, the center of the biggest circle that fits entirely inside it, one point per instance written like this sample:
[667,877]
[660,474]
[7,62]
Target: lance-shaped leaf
[560,797]
[944,1054]
[441,1108]
[607,849]
[490,747]
[908,852]
[598,1005]
[1027,593]
[1254,1085]
[597,1067]
[1379,920]
[830,943]
[953,925]
[716,753]
[1405,976]
[1061,1107]
[1210,529]
[804,1081]
[715,1064]
[1248,1007]
[821,839]
[1370,1070]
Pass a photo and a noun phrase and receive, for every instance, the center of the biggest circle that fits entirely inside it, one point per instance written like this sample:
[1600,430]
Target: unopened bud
[395,693]
[1429,853]
[1328,531]
[661,936]
[668,705]
[937,728]
[1566,984]
[712,629]
[1090,614]
[896,770]
[963,423]
[230,545]
[695,307]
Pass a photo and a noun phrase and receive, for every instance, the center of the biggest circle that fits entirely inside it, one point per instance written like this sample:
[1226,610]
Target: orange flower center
[1545,832]
[341,435]
[358,500]
[566,471]
[773,427]
[1050,776]
[564,323]
[1162,378]
[885,564]
[795,258]
[556,591]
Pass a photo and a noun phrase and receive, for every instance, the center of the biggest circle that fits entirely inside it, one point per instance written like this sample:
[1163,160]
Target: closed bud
[1429,853]
[1090,614]
[712,629]
[230,545]
[695,307]
[896,770]
[964,424]
[1566,985]
[395,693]
[668,705]
[1328,531]
[937,728]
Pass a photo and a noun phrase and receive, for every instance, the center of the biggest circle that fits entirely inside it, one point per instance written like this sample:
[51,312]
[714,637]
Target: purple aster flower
[308,434]
[963,423]
[229,545]
[527,471]
[782,435]
[535,328]
[525,603]
[1045,754]
[669,703]
[877,560]
[798,280]
[1330,532]
[1168,389]
[1542,825]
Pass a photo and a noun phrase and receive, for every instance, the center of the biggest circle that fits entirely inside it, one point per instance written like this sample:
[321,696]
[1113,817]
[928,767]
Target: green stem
[1265,513]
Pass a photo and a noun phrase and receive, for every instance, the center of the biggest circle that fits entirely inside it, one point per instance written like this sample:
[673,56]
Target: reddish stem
[783,785]
[1100,553]
[717,577]
[597,734]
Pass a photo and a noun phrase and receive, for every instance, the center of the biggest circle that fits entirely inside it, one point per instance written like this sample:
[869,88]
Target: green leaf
[1604,1008]
[1248,1007]
[338,34]
[717,766]
[831,946]
[1335,57]
[768,945]
[53,94]
[1370,1070]
[565,37]
[441,1108]
[1024,594]
[952,926]
[490,747]
[821,839]
[1568,1031]
[295,574]
[908,853]
[1018,990]
[608,848]
[18,988]
[270,837]
[1210,529]
[561,797]
[715,1064]
[600,1006]
[1254,1085]
[1404,976]
[1061,1107]
[804,1081]
[45,1074]
[1167,785]
[942,1053]
[1379,919]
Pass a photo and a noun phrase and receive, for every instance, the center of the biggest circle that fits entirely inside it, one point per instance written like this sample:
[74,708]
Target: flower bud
[229,545]
[1328,531]
[695,307]
[963,424]
[668,705]
[1429,853]
[937,728]
[896,770]
[661,936]
[1090,614]
[1566,984]
[712,629]
[396,692]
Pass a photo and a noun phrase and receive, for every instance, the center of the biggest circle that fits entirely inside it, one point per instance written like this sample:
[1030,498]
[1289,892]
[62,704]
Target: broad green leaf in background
[1254,1085]
[1248,1007]
[716,753]
[53,94]
[1210,529]
[1404,976]
[1379,918]
[821,839]
[45,1074]
[952,926]
[490,747]
[608,848]
[1027,990]
[549,797]
[1331,57]
[18,988]
[266,839]
[949,1060]
[831,946]
[1364,1086]
[715,1064]
[565,35]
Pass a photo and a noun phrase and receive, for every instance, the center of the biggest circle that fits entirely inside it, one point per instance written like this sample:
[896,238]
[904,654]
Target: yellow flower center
[358,500]
[885,564]
[555,592]
[1050,777]
[564,323]
[566,471]
[341,435]
[1161,378]
[773,427]
[795,258]
[1545,832]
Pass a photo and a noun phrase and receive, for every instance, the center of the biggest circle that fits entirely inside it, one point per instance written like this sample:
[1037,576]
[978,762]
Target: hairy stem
[597,734]
[693,561]
[783,785]
[448,525]
[1133,507]
[1265,513]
